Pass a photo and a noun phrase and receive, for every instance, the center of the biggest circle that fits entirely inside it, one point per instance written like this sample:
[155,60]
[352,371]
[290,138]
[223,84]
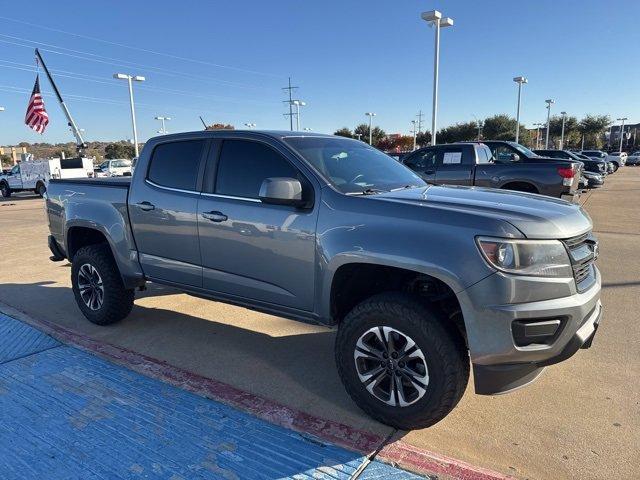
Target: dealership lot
[581,419]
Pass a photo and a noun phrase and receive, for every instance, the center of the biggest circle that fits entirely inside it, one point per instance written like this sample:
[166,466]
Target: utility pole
[419,116]
[370,115]
[290,90]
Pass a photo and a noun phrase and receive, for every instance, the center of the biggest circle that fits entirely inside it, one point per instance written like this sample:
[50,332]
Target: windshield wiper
[368,191]
[404,187]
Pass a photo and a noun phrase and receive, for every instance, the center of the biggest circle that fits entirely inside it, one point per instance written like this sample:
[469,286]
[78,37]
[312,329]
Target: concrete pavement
[580,420]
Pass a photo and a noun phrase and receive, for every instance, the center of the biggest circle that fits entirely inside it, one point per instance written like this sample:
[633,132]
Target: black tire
[615,167]
[5,190]
[441,343]
[117,301]
[40,189]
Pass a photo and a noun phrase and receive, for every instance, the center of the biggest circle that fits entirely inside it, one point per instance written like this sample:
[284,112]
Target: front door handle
[146,206]
[429,172]
[215,216]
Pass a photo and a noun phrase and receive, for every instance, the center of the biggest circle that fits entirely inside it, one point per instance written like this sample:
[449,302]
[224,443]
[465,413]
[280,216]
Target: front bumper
[492,308]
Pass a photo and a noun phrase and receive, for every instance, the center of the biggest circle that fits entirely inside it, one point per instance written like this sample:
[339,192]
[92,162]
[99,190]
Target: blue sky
[227,60]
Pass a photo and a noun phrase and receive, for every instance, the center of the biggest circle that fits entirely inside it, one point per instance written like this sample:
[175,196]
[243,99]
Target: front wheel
[401,362]
[97,286]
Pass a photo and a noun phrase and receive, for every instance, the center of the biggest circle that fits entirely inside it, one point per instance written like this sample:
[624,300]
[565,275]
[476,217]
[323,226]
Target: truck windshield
[353,166]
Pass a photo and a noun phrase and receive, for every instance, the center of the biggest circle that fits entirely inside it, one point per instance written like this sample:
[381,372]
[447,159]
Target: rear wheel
[401,361]
[5,190]
[97,286]
[41,189]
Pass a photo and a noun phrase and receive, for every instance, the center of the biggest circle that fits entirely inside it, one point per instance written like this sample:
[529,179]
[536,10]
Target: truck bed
[122,182]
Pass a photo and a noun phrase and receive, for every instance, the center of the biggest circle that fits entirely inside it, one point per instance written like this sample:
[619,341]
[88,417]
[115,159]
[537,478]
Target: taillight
[566,172]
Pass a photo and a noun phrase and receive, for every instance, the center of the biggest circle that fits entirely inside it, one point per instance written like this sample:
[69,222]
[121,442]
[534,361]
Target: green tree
[423,139]
[220,126]
[344,132]
[593,128]
[459,132]
[119,150]
[377,134]
[503,127]
[571,132]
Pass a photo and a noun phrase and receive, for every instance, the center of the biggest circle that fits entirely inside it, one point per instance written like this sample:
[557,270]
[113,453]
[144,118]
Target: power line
[82,55]
[153,52]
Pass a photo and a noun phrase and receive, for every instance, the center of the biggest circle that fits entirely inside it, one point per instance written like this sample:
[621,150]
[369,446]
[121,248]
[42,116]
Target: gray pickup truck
[418,280]
[474,163]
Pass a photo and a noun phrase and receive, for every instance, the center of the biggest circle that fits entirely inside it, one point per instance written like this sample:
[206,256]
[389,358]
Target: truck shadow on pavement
[297,370]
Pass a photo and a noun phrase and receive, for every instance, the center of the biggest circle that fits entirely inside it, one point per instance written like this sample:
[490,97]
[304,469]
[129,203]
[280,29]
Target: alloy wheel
[391,366]
[90,286]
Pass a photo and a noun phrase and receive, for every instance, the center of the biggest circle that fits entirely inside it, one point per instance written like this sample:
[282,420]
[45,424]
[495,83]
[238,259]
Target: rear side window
[176,164]
[484,154]
[245,164]
[422,159]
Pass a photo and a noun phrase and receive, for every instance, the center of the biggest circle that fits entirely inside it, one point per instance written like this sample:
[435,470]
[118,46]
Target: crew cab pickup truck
[468,163]
[418,280]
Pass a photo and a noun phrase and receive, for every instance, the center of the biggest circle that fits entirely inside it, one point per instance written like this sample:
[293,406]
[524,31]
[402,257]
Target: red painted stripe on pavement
[399,452]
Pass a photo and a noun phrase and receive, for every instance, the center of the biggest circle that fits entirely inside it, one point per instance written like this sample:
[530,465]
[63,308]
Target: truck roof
[279,134]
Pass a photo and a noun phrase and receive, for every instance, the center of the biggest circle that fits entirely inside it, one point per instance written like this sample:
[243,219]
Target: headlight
[539,258]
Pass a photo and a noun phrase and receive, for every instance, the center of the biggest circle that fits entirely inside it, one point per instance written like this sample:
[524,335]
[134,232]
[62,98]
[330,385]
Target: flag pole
[74,128]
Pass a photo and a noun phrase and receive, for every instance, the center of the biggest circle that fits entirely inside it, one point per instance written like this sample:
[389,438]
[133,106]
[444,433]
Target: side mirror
[514,157]
[281,191]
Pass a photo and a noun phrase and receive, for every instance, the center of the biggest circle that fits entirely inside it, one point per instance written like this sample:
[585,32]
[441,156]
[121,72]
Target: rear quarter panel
[98,207]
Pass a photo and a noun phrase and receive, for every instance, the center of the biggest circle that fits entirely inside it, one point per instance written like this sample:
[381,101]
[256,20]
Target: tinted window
[71,163]
[422,159]
[244,165]
[176,164]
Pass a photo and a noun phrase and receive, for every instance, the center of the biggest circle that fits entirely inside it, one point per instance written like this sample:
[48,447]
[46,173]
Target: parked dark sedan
[590,164]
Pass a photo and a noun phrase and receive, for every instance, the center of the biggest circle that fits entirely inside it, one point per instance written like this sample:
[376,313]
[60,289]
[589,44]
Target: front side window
[503,154]
[422,160]
[176,164]
[353,167]
[15,170]
[484,154]
[244,165]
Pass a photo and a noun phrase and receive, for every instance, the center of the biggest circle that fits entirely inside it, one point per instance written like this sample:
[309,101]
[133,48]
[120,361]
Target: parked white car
[35,174]
[117,167]
[634,158]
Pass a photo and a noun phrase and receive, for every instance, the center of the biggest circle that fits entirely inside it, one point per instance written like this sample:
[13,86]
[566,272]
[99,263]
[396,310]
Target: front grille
[583,251]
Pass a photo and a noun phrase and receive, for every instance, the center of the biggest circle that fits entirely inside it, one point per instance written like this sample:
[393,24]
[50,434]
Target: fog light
[529,332]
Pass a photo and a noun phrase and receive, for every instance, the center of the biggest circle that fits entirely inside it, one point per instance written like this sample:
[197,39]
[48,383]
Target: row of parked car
[511,166]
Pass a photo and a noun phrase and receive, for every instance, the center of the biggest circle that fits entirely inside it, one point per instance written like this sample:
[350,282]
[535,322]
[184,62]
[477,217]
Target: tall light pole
[130,79]
[622,130]
[538,125]
[549,102]
[434,18]
[415,132]
[370,115]
[163,130]
[298,104]
[564,117]
[250,125]
[610,141]
[359,135]
[520,81]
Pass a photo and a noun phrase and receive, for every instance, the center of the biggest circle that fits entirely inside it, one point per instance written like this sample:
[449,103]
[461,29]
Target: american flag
[37,117]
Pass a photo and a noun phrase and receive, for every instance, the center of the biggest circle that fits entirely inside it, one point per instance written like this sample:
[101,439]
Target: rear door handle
[215,216]
[146,206]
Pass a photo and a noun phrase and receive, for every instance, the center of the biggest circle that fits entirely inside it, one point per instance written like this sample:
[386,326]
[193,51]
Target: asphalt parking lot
[581,419]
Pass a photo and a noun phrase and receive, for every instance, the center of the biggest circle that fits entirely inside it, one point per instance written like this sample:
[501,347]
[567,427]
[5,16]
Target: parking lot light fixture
[415,133]
[1,109]
[549,102]
[307,129]
[370,115]
[130,79]
[359,135]
[434,17]
[163,130]
[520,81]
[250,125]
[564,117]
[298,104]
[621,131]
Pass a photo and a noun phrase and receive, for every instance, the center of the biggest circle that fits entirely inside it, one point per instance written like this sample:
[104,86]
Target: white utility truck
[34,175]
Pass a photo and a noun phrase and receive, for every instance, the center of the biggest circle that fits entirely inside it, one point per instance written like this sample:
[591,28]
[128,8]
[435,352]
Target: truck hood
[536,216]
